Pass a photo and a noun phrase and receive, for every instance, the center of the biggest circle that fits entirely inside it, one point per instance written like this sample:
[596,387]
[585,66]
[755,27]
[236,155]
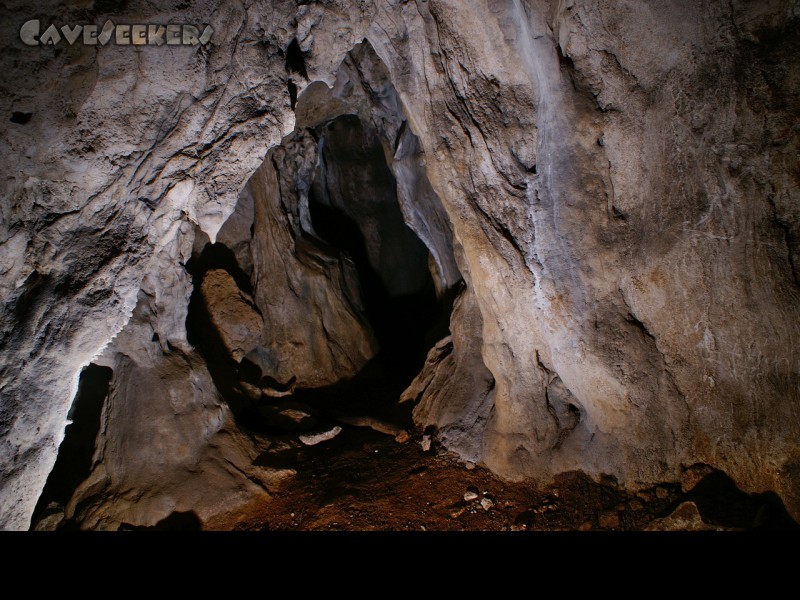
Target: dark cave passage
[721,502]
[354,217]
[354,207]
[401,322]
[75,455]
[217,256]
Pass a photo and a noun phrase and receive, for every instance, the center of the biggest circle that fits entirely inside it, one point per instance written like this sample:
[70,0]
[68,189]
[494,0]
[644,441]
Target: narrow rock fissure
[202,334]
[295,61]
[75,455]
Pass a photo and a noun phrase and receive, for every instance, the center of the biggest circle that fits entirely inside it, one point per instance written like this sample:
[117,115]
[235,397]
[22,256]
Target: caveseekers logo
[138,35]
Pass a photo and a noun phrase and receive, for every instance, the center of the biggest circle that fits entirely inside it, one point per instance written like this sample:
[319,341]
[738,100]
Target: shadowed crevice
[75,455]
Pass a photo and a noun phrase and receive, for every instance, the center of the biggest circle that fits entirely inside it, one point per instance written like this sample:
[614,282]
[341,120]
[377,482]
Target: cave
[76,452]
[403,266]
[396,284]
[354,218]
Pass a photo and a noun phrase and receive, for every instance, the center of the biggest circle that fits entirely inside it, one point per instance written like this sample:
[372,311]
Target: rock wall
[616,183]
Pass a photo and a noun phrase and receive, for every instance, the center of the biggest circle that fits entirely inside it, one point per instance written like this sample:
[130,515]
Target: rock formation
[608,193]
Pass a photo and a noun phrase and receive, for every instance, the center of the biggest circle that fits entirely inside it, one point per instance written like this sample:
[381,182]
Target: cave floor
[365,480]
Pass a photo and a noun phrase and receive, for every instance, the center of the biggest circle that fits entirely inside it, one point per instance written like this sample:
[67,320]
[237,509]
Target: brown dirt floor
[366,481]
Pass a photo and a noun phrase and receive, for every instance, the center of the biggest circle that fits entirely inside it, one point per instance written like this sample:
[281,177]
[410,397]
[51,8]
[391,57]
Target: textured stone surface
[454,389]
[684,518]
[292,419]
[694,475]
[617,184]
[318,438]
[232,313]
[167,442]
[304,291]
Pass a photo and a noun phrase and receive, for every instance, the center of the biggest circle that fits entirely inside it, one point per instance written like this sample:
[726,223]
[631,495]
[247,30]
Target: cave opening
[353,219]
[355,212]
[353,207]
[76,452]
[400,322]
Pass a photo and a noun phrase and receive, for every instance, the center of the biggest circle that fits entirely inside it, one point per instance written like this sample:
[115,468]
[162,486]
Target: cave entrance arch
[353,207]
[345,253]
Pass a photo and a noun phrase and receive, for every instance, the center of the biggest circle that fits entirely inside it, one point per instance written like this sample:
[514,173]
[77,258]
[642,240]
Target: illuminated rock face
[615,183]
